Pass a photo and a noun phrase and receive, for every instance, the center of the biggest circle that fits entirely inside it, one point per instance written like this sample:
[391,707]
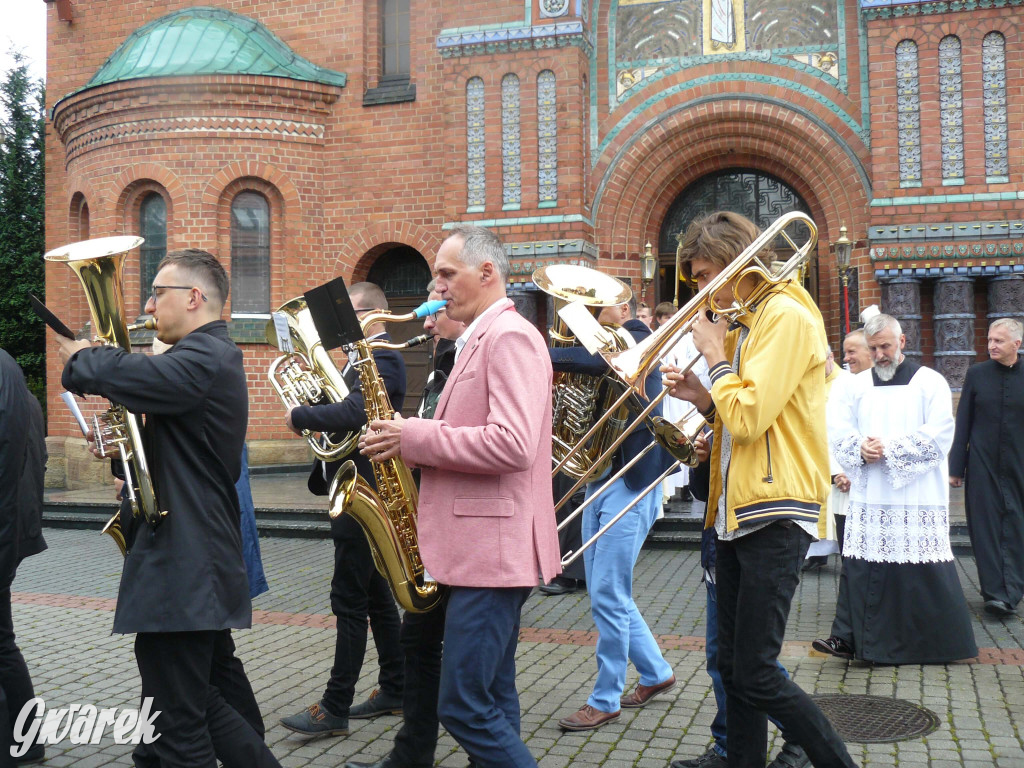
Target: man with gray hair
[900,600]
[988,455]
[486,519]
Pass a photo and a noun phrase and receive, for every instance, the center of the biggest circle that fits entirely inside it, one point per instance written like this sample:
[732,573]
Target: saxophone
[387,515]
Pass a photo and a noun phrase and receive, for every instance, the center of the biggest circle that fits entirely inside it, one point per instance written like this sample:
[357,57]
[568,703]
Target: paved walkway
[64,599]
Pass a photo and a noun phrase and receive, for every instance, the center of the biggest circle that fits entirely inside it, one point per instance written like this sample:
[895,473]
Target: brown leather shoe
[587,719]
[644,693]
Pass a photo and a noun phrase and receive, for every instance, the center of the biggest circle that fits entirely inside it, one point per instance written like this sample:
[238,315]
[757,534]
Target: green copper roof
[208,41]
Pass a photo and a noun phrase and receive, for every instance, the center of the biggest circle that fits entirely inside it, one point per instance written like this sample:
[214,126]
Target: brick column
[953,325]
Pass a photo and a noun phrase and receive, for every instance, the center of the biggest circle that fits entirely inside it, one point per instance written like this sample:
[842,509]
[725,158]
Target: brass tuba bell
[99,265]
[308,376]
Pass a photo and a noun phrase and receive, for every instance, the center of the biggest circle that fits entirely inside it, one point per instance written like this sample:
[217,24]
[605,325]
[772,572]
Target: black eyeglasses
[155,295]
[433,315]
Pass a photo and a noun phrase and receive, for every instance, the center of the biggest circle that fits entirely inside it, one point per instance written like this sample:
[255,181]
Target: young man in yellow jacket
[769,480]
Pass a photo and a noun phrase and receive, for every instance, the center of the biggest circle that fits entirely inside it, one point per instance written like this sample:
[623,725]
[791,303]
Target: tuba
[578,398]
[308,376]
[99,265]
[387,515]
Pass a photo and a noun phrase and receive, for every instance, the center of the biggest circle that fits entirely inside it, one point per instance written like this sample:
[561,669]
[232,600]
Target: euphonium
[308,376]
[387,515]
[578,398]
[99,265]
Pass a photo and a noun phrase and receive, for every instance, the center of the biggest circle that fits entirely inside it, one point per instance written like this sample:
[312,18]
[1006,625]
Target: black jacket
[187,574]
[22,470]
[645,471]
[350,416]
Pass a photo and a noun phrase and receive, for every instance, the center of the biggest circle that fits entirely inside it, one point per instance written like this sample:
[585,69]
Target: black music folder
[333,314]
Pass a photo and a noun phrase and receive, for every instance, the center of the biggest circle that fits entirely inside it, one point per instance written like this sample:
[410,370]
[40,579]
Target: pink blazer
[486,517]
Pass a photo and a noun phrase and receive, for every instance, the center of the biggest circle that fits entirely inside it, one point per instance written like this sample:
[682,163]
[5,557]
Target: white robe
[899,506]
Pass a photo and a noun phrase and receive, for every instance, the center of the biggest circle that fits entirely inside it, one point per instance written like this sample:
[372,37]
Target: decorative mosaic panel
[547,138]
[993,64]
[658,30]
[908,110]
[652,38]
[773,24]
[475,174]
[511,155]
[951,108]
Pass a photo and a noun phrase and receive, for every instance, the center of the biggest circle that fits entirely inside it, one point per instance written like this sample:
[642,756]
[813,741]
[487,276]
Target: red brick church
[301,140]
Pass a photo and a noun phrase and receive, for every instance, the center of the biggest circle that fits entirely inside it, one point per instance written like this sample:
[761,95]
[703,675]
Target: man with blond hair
[988,457]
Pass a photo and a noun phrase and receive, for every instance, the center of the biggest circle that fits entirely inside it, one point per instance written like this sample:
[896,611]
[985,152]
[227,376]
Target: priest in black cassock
[900,599]
[988,455]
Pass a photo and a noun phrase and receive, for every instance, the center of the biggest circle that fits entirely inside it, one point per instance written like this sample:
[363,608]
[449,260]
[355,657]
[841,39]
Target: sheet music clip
[332,312]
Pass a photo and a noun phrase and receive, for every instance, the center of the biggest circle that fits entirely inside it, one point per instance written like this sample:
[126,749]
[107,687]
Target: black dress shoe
[560,586]
[791,756]
[814,562]
[998,608]
[710,759]
[834,646]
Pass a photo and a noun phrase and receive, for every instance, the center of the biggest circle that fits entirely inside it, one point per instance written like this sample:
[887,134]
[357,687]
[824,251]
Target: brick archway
[670,151]
[358,252]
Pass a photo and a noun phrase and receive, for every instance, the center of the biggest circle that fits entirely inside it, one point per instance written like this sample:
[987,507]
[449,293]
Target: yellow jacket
[774,408]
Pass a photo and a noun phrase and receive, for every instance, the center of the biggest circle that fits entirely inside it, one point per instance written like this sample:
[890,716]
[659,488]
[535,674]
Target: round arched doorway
[760,197]
[402,273]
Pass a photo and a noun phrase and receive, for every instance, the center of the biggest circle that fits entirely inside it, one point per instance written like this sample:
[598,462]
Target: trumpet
[633,365]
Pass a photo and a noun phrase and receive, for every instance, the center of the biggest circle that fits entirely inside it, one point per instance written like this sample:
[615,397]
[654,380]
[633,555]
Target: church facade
[302,140]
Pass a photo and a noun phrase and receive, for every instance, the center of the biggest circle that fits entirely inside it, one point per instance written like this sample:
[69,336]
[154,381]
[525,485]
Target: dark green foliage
[22,241]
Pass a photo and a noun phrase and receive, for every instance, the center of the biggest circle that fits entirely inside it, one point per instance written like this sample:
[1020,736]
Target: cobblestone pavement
[64,598]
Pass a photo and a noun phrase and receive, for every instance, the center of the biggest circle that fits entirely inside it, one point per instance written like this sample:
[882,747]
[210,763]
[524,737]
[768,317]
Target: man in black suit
[357,589]
[22,467]
[184,585]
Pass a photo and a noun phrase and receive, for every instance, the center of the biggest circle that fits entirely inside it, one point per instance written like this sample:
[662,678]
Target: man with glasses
[184,585]
[358,591]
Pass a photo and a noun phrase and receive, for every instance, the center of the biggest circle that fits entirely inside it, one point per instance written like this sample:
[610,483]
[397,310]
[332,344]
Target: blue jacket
[645,471]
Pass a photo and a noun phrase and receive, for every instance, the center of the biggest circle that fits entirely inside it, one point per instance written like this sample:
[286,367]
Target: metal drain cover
[876,719]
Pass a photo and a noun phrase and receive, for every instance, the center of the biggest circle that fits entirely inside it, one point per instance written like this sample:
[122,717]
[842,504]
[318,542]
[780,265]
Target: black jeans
[756,576]
[195,721]
[15,682]
[422,639]
[358,591]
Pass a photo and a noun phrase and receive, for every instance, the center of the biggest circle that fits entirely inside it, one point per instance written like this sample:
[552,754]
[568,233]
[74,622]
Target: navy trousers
[478,701]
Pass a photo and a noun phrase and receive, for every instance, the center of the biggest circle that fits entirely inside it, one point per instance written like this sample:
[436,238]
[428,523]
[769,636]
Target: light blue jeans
[623,635]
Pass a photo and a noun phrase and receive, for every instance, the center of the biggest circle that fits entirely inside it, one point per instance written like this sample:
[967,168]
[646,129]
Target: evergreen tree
[22,136]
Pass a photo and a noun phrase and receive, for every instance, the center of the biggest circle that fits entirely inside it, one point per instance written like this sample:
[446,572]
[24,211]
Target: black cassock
[988,452]
[187,574]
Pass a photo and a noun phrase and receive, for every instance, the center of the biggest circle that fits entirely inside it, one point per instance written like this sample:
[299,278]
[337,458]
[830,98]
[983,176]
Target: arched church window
[152,228]
[908,113]
[993,64]
[250,253]
[951,110]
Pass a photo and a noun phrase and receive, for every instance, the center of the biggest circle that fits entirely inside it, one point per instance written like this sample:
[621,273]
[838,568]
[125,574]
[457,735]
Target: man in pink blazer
[486,519]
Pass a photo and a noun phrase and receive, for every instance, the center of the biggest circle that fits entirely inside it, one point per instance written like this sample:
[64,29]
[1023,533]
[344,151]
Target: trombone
[633,365]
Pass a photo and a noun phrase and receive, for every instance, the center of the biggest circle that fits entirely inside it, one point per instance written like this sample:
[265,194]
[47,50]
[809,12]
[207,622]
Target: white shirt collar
[461,341]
